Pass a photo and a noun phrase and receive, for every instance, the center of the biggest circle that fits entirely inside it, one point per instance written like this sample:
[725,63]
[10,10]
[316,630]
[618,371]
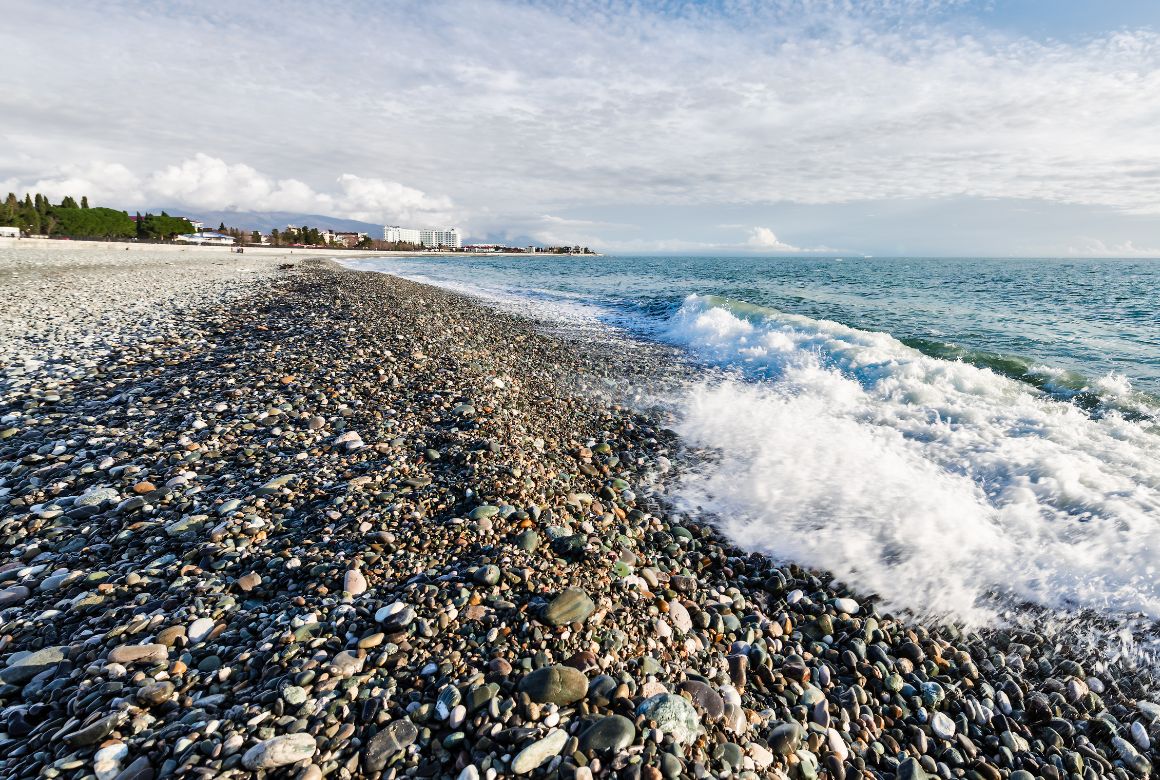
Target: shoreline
[70,245]
[324,522]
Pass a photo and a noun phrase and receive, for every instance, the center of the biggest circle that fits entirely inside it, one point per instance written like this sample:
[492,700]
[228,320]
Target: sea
[965,438]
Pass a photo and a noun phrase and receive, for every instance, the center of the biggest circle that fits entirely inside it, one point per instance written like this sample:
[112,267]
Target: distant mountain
[265,221]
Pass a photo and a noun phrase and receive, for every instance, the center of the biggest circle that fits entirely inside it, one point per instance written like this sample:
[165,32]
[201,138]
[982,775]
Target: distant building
[343,239]
[396,234]
[448,237]
[9,232]
[210,237]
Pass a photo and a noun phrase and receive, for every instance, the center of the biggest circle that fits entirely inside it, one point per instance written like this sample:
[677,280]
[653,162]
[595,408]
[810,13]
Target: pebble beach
[262,516]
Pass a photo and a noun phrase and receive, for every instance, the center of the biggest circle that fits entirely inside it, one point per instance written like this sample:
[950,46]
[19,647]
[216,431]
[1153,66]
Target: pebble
[571,606]
[539,752]
[673,715]
[279,751]
[557,684]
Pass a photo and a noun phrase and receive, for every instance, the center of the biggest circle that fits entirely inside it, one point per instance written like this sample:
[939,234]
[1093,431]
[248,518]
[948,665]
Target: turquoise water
[939,432]
[1073,320]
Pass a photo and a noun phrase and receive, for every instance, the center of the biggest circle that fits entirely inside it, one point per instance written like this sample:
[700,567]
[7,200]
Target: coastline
[70,245]
[319,522]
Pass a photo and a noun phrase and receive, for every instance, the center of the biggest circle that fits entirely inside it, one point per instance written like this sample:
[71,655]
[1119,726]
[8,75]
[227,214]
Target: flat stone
[199,630]
[679,615]
[279,751]
[155,693]
[558,684]
[133,654]
[97,497]
[247,582]
[571,606]
[614,732]
[785,738]
[23,668]
[395,736]
[707,701]
[96,731]
[942,726]
[539,752]
[354,582]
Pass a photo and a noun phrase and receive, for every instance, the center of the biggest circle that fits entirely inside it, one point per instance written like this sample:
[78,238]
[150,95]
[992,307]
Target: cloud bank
[204,182]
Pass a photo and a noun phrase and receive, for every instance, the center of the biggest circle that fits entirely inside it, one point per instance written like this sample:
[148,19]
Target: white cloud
[1094,247]
[764,238]
[204,182]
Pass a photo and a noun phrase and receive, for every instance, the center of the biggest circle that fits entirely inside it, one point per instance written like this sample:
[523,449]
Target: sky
[887,127]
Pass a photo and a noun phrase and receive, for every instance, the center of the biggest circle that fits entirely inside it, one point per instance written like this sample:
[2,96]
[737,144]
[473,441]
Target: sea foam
[933,483]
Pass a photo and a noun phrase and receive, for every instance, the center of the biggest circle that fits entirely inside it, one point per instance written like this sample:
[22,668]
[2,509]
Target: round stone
[614,732]
[571,606]
[673,715]
[558,684]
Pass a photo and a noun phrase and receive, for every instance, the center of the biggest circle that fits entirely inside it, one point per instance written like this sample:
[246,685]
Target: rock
[140,769]
[354,582]
[785,738]
[558,684]
[539,752]
[680,617]
[673,715]
[97,497]
[279,751]
[707,701]
[22,668]
[97,730]
[155,693]
[275,485]
[571,606]
[395,736]
[139,654]
[247,582]
[942,726]
[487,575]
[910,770]
[199,630]
[13,595]
[614,732]
[847,605]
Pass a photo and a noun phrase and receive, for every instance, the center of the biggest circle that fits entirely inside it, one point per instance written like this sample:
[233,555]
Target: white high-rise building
[396,233]
[448,237]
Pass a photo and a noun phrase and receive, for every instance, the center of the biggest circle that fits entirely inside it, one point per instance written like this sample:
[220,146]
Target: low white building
[9,232]
[210,237]
[394,233]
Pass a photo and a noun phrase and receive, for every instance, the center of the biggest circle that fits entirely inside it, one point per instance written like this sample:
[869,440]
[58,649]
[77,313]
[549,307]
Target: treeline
[38,216]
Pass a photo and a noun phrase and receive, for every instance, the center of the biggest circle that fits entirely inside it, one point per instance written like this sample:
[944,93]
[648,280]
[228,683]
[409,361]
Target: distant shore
[135,246]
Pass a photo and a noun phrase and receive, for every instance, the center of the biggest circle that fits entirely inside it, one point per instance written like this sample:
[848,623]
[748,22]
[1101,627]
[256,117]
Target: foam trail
[933,483]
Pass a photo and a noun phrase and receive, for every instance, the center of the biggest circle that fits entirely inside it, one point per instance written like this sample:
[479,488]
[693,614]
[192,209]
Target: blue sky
[781,127]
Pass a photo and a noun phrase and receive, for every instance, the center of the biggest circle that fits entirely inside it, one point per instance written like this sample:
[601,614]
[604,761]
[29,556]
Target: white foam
[930,482]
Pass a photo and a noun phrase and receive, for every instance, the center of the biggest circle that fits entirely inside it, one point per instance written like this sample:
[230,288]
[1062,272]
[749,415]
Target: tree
[85,202]
[255,237]
[67,202]
[222,227]
[275,237]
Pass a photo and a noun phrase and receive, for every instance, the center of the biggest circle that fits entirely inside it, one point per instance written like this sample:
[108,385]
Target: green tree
[255,237]
[67,202]
[275,237]
[84,201]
